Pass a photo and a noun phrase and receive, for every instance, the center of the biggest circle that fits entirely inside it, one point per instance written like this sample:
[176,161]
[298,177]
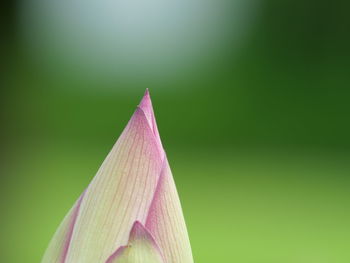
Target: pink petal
[166,222]
[146,106]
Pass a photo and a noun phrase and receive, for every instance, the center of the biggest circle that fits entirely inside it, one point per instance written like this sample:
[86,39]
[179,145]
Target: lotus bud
[130,212]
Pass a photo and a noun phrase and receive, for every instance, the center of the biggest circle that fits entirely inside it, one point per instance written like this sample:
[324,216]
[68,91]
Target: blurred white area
[133,39]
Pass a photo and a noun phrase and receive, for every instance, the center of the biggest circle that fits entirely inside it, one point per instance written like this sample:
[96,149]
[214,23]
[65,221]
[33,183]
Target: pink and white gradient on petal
[131,200]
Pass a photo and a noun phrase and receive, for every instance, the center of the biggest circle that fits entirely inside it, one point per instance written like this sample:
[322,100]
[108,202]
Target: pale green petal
[166,221]
[141,248]
[120,194]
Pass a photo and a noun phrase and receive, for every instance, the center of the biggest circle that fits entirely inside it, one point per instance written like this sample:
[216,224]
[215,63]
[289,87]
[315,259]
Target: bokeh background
[252,102]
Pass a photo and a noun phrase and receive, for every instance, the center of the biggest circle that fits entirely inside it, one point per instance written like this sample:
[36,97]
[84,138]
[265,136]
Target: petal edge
[141,248]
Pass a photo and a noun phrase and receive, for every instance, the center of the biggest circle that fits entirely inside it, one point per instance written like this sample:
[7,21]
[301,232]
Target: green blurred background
[252,103]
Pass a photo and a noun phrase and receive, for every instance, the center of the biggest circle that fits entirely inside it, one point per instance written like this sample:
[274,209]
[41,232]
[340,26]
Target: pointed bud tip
[147,108]
[146,103]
